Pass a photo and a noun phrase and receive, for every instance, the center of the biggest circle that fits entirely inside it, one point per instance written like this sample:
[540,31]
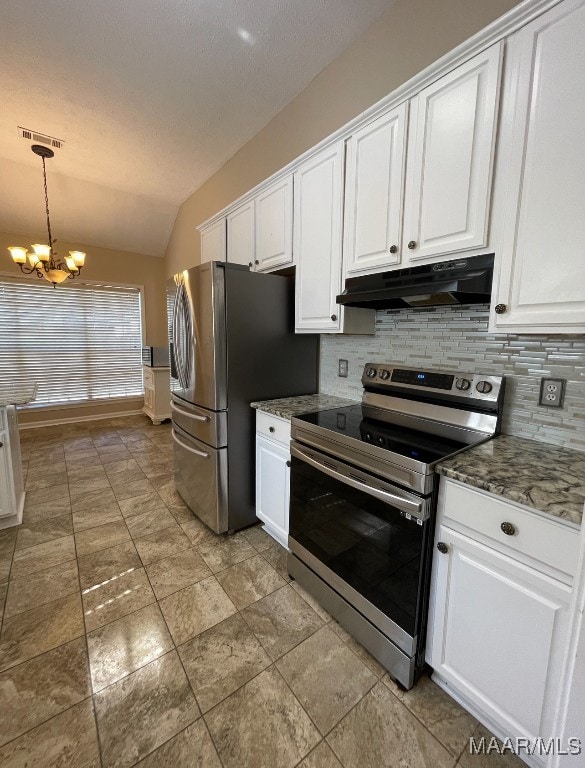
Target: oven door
[367,539]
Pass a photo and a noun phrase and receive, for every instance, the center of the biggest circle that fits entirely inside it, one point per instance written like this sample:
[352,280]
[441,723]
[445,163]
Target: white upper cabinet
[541,198]
[450,152]
[213,242]
[373,194]
[318,205]
[274,207]
[240,235]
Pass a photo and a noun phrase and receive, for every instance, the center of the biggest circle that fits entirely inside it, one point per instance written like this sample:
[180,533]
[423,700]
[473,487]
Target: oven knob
[369,437]
[380,441]
[384,374]
[462,384]
[484,387]
[371,372]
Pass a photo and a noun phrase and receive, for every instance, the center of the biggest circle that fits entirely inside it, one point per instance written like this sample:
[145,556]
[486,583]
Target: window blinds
[79,343]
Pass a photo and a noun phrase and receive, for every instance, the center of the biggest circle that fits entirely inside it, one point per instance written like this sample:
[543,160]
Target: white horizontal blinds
[80,343]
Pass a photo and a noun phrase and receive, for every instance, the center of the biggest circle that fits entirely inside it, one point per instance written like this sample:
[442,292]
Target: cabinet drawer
[148,377]
[542,539]
[274,427]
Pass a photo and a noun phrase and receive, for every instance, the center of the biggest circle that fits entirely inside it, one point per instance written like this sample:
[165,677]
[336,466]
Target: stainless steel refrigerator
[232,341]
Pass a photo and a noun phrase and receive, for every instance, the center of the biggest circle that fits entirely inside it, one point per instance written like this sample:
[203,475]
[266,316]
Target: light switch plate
[552,392]
[343,368]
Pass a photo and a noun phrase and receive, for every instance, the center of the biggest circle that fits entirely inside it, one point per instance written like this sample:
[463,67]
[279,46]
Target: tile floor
[132,635]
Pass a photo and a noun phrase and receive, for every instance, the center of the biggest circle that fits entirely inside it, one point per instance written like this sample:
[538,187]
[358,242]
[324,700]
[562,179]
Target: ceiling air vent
[39,138]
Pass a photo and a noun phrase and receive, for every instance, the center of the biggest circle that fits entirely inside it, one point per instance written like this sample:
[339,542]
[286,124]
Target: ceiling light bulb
[18,254]
[78,258]
[71,265]
[42,251]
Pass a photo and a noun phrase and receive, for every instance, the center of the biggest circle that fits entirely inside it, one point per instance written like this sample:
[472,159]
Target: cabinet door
[272,487]
[240,235]
[274,209]
[6,506]
[451,146]
[213,242]
[497,634]
[542,272]
[318,239]
[374,189]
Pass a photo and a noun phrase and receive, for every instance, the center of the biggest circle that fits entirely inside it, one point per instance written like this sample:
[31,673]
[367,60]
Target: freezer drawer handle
[187,413]
[188,447]
[405,505]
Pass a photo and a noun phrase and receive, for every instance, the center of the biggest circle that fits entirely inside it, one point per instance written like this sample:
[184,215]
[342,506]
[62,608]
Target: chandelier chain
[47,207]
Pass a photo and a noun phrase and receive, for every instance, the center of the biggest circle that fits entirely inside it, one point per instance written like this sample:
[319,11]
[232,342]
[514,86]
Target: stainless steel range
[363,499]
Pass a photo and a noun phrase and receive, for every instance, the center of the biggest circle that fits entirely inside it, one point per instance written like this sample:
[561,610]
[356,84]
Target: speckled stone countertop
[540,475]
[287,407]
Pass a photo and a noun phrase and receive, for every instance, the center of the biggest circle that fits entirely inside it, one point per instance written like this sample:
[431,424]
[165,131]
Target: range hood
[461,281]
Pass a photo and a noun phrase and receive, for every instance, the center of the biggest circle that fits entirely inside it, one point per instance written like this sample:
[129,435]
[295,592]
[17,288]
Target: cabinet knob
[288,463]
[508,528]
[412,245]
[393,249]
[250,265]
[256,262]
[334,317]
[500,309]
[271,429]
[442,547]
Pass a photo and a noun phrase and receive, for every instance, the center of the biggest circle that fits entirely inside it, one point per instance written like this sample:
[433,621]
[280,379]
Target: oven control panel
[470,386]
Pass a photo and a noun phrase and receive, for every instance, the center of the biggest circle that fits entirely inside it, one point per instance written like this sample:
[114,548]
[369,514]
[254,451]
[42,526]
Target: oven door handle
[414,508]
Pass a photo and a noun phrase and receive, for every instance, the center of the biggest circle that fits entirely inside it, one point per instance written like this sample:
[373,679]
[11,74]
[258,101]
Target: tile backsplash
[458,339]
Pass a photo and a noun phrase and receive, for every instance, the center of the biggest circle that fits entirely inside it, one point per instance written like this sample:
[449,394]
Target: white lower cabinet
[157,394]
[11,478]
[497,622]
[273,474]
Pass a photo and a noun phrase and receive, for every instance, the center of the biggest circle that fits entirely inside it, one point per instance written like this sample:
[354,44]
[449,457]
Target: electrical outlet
[343,368]
[552,392]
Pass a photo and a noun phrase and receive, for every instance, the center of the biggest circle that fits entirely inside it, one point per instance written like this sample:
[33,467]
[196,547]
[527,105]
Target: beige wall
[406,39]
[111,266]
[104,264]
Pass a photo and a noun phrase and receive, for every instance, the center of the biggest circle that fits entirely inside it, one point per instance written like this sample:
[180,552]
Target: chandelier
[43,258]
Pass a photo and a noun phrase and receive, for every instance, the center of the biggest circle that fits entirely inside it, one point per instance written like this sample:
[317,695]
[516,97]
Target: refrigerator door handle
[188,447]
[188,413]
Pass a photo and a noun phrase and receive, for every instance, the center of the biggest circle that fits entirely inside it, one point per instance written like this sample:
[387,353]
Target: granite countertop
[287,407]
[539,475]
[18,394]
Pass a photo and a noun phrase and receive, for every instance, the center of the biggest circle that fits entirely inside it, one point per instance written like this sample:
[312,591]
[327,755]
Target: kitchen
[521,343]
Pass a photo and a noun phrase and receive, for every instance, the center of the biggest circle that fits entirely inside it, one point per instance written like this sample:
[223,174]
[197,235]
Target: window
[80,343]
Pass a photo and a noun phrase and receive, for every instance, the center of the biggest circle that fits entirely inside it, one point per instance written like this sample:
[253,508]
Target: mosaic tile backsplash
[458,338]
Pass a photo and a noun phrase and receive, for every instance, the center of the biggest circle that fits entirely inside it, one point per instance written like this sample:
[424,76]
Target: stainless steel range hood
[461,281]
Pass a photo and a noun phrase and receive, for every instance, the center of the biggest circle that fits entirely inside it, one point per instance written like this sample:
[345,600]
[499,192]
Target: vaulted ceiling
[151,97]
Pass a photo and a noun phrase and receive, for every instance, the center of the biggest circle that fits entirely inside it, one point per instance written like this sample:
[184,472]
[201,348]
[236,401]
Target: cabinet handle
[500,309]
[508,528]
[271,429]
[442,547]
[288,463]
[393,249]
[256,262]
[412,245]
[334,317]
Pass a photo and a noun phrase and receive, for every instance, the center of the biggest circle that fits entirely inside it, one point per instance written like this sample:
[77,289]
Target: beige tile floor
[131,634]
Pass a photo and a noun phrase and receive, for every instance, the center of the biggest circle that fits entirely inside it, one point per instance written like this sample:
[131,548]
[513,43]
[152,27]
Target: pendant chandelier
[43,258]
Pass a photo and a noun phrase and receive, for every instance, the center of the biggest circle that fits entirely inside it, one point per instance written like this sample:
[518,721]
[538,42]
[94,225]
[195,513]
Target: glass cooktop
[350,422]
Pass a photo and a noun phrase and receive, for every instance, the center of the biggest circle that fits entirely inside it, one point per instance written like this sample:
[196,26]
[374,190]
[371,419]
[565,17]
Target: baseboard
[75,419]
